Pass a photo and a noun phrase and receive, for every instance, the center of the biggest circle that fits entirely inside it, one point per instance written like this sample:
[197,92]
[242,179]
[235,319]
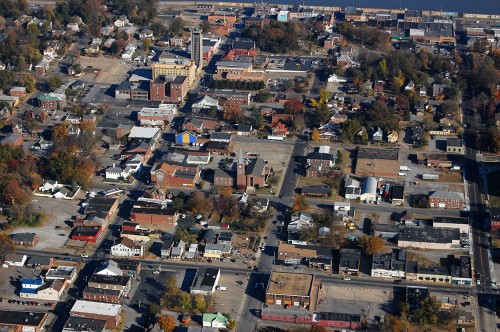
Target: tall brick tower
[241,179]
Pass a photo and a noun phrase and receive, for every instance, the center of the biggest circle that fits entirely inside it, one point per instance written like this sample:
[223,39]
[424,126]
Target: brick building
[290,289]
[226,95]
[168,88]
[111,313]
[223,179]
[154,215]
[254,174]
[102,295]
[52,101]
[447,200]
[175,176]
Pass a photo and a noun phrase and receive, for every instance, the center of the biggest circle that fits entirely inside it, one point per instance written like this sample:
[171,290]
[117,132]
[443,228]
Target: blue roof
[28,290]
[27,281]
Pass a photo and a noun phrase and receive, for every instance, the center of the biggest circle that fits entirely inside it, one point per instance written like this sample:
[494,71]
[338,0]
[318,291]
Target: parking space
[56,229]
[277,155]
[230,298]
[113,70]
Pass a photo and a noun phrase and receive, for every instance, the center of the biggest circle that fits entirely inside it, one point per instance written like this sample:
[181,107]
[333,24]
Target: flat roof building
[205,281]
[16,320]
[429,238]
[111,313]
[82,324]
[292,289]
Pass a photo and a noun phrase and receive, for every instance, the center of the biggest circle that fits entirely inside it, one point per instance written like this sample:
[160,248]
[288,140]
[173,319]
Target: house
[18,91]
[352,188]
[446,200]
[109,268]
[455,146]
[255,174]
[178,250]
[377,135]
[316,191]
[217,251]
[127,248]
[15,260]
[82,324]
[216,320]
[40,262]
[392,136]
[205,104]
[111,313]
[279,129]
[294,254]
[349,261]
[321,157]
[205,281]
[23,320]
[24,239]
[396,194]
[166,248]
[292,289]
[12,139]
[51,290]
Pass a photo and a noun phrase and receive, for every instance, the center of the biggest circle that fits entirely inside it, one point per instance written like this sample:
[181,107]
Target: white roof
[417,32]
[143,132]
[165,110]
[98,308]
[324,149]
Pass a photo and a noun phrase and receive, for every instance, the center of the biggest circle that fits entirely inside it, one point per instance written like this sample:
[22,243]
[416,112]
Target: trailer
[275,138]
[404,168]
[430,176]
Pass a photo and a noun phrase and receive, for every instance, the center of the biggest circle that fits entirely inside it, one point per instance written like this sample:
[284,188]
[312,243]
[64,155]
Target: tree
[322,114]
[6,246]
[6,79]
[371,244]
[204,26]
[199,302]
[55,82]
[199,203]
[166,323]
[232,111]
[177,26]
[294,106]
[315,135]
[395,324]
[336,238]
[154,309]
[60,132]
[29,82]
[225,191]
[300,204]
[171,288]
[340,157]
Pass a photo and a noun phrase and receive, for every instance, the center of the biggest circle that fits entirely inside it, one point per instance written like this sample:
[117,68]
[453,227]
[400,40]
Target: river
[461,6]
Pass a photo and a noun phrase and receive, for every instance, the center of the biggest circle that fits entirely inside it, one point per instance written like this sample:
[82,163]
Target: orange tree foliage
[19,175]
[167,323]
[294,106]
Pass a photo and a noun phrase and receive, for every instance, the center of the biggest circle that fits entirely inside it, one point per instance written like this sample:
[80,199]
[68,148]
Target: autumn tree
[300,203]
[225,191]
[232,111]
[322,114]
[336,238]
[371,244]
[166,323]
[198,202]
[315,135]
[177,26]
[294,106]
[60,132]
[199,302]
[6,246]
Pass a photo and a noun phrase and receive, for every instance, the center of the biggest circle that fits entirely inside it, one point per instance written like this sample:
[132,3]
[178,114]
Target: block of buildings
[291,289]
[83,324]
[125,247]
[111,313]
[23,320]
[429,238]
[377,162]
[447,200]
[349,260]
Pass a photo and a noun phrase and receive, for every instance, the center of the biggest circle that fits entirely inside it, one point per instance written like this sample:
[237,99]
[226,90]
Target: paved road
[481,252]
[294,164]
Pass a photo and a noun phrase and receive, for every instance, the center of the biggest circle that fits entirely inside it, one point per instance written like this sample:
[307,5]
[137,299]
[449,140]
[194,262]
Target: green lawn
[494,188]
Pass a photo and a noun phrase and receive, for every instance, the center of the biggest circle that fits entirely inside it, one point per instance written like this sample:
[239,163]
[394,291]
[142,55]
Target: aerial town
[209,166]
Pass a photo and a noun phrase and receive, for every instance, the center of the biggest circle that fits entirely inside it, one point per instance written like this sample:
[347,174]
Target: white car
[156,272]
[198,217]
[84,255]
[347,278]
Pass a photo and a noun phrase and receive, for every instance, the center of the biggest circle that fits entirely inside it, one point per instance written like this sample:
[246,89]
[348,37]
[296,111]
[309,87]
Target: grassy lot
[493,188]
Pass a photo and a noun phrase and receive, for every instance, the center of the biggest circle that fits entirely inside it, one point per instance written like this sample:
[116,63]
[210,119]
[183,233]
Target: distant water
[460,6]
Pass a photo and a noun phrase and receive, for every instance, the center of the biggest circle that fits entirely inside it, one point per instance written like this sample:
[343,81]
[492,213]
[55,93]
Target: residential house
[178,250]
[12,139]
[51,290]
[217,251]
[127,248]
[352,188]
[166,248]
[216,320]
[392,136]
[377,135]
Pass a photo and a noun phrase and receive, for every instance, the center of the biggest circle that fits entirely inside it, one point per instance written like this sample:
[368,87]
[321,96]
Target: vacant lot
[113,70]
[493,188]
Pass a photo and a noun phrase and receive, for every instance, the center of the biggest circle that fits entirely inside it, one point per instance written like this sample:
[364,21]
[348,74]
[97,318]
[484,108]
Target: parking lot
[230,299]
[113,70]
[59,213]
[276,154]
